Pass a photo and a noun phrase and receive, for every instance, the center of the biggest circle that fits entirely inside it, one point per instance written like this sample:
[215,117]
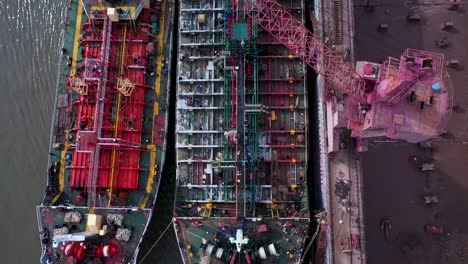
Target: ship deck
[197,235]
[241,138]
[108,133]
[53,218]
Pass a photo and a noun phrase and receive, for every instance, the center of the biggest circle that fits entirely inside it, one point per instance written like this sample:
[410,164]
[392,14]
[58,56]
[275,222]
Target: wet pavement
[393,185]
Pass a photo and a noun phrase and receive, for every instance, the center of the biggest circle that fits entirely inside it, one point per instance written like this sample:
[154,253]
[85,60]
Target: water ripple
[29,49]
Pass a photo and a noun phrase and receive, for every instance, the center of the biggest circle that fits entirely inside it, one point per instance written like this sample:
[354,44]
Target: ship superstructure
[107,134]
[241,139]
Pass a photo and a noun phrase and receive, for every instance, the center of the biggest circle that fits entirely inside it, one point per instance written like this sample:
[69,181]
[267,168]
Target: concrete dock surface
[393,185]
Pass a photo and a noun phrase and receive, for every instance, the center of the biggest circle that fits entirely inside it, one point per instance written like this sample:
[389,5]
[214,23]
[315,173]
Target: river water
[29,49]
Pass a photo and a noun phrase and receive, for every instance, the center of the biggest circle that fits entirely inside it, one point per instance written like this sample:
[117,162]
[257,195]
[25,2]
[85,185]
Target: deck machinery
[108,134]
[242,124]
[241,139]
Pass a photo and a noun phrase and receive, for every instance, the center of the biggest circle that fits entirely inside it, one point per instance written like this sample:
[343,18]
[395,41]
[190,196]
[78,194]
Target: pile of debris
[61,231]
[115,219]
[342,188]
[72,217]
[123,234]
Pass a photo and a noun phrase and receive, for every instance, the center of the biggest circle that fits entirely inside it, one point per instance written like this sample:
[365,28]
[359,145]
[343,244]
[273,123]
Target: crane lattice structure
[306,45]
[415,69]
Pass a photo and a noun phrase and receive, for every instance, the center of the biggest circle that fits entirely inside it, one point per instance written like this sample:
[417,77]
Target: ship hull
[241,140]
[108,132]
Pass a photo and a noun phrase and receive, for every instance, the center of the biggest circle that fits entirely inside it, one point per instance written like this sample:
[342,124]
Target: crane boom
[374,104]
[289,31]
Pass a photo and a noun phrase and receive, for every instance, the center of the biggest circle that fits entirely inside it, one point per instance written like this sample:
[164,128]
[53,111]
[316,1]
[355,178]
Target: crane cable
[311,242]
[156,242]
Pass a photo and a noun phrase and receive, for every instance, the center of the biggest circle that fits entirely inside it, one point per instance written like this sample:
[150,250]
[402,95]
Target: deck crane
[372,93]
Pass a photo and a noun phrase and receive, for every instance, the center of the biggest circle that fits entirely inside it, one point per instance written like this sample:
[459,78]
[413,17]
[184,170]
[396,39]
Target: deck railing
[389,69]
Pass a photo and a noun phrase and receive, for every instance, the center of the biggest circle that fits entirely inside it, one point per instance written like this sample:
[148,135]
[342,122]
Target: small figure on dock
[413,15]
[453,63]
[386,226]
[430,199]
[369,5]
[442,43]
[427,166]
[447,26]
[454,4]
[382,28]
[434,229]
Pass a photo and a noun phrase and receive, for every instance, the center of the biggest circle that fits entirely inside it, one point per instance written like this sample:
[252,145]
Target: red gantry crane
[371,95]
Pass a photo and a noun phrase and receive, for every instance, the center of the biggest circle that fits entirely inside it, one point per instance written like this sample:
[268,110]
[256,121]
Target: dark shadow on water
[313,168]
[167,249]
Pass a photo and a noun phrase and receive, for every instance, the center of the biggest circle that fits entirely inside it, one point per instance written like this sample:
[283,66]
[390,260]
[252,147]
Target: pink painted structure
[411,100]
[408,99]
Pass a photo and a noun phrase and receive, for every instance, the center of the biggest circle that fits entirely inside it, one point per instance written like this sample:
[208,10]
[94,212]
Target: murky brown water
[29,46]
